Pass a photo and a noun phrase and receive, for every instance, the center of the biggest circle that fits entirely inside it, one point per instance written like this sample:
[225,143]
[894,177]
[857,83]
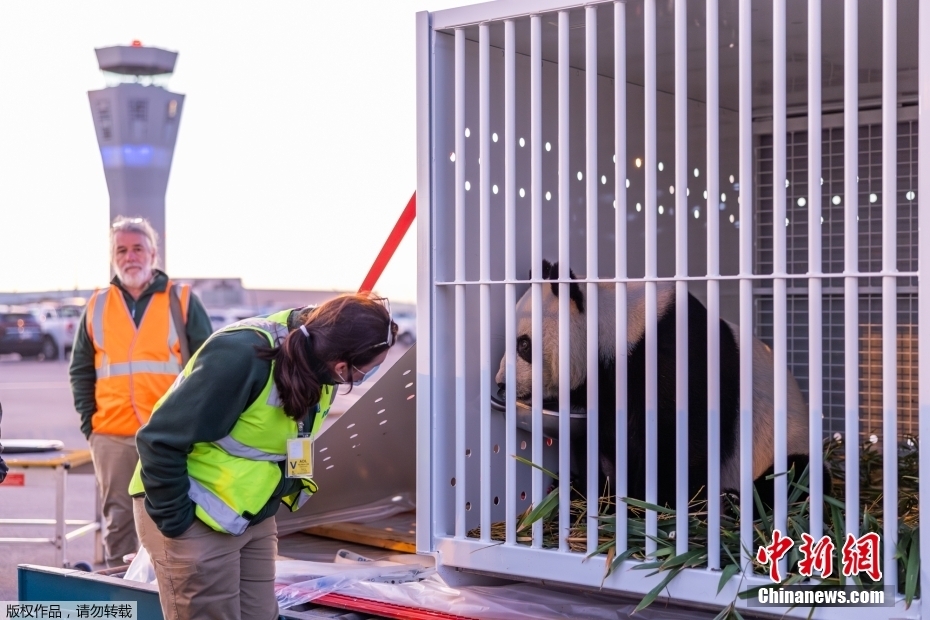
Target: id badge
[300,457]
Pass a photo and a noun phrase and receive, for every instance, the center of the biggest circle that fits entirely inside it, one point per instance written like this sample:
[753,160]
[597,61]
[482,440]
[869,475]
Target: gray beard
[139,280]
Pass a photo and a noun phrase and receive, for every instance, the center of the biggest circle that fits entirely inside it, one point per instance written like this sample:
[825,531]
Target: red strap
[387,610]
[390,246]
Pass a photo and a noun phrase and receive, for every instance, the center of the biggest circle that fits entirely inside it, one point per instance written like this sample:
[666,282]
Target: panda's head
[550,338]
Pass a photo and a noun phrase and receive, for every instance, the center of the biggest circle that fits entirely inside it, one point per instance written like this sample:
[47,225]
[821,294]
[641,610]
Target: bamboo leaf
[753,591]
[728,571]
[724,613]
[652,594]
[532,464]
[793,579]
[763,515]
[609,546]
[795,486]
[640,504]
[913,569]
[548,505]
[620,559]
[682,559]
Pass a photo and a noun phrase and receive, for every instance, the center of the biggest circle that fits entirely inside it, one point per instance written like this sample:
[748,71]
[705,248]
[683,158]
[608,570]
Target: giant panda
[730,351]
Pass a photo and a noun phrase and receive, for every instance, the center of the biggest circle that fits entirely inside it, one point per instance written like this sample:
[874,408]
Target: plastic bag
[298,582]
[510,602]
[141,568]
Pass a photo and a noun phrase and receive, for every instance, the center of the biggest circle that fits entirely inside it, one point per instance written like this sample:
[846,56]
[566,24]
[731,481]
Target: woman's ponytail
[352,328]
[297,378]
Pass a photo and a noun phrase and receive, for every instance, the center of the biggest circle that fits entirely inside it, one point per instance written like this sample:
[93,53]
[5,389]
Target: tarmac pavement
[37,404]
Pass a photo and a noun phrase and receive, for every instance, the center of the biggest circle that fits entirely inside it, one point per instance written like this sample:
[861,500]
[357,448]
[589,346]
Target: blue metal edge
[47,583]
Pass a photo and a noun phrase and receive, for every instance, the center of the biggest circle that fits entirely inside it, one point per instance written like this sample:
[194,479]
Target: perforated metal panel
[870,260]
[369,453]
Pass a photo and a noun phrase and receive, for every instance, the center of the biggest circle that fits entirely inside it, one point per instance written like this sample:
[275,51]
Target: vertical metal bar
[536,143]
[814,260]
[780,301]
[564,297]
[484,291]
[923,290]
[510,269]
[620,268]
[430,487]
[652,392]
[591,301]
[745,284]
[459,287]
[681,271]
[889,284]
[61,541]
[712,174]
[851,244]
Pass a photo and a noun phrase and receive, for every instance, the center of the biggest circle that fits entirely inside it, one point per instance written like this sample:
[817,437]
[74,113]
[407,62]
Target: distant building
[229,293]
[216,294]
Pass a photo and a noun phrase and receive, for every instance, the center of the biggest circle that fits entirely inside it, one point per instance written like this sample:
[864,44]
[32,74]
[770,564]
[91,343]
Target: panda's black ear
[547,270]
[574,289]
[576,295]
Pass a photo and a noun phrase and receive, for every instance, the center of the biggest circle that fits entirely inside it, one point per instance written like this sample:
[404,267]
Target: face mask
[365,376]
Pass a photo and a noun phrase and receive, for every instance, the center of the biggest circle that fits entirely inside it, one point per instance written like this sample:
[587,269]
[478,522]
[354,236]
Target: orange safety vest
[135,366]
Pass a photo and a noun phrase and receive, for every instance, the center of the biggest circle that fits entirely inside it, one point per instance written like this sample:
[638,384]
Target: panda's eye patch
[525,348]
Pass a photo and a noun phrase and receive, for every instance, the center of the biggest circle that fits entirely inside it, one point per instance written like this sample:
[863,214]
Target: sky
[295,156]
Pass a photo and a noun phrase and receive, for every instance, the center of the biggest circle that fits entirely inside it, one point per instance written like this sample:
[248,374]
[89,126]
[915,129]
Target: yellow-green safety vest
[233,478]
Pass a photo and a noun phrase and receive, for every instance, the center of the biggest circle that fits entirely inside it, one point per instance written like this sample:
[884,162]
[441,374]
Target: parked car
[406,327]
[20,332]
[221,317]
[58,322]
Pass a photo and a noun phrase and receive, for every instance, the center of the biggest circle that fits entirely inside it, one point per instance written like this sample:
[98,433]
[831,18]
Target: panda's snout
[501,386]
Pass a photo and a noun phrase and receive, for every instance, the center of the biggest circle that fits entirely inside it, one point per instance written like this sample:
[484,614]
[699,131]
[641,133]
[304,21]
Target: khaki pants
[115,459]
[207,574]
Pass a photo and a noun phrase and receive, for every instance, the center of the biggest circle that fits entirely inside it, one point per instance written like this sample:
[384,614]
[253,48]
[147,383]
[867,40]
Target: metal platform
[50,469]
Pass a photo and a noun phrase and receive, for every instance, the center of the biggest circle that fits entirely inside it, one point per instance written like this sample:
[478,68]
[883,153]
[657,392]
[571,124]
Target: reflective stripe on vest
[295,501]
[218,510]
[127,368]
[237,448]
[303,498]
[278,331]
[97,318]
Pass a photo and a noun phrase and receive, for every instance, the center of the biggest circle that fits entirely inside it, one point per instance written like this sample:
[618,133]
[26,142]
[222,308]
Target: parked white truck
[59,323]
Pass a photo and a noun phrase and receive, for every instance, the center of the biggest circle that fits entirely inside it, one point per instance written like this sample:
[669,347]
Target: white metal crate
[509,82]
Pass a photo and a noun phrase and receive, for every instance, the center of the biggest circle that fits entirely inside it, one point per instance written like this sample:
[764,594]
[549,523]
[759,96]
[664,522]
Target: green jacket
[225,380]
[83,373]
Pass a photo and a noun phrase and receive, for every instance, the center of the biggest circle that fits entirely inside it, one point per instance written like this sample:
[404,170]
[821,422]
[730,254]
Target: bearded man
[132,342]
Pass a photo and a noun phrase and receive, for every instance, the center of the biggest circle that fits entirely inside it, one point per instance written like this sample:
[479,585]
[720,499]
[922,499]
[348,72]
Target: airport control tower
[137,120]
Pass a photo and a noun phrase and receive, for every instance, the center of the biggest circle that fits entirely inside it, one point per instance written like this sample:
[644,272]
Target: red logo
[817,556]
[861,556]
[774,552]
